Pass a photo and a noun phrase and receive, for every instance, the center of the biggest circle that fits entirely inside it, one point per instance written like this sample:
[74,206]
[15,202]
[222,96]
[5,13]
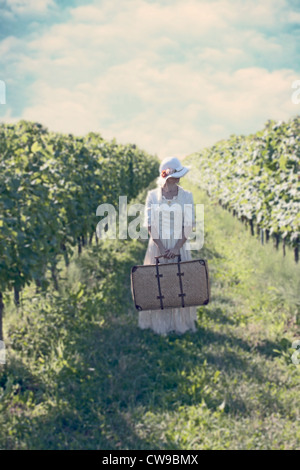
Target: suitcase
[170,285]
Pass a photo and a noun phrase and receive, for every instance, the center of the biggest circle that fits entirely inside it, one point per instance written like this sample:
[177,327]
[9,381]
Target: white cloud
[8,45]
[293,17]
[25,7]
[171,78]
[136,16]
[204,111]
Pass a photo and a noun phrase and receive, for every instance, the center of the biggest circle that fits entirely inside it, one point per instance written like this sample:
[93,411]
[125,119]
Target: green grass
[80,374]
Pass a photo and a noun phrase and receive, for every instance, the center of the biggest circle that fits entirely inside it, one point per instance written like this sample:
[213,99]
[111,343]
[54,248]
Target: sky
[171,76]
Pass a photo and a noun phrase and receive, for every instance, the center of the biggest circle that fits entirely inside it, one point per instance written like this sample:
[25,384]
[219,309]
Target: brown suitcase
[170,285]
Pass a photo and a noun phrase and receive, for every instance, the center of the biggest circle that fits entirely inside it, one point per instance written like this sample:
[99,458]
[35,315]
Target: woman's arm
[158,243]
[176,250]
[188,224]
[153,232]
[181,241]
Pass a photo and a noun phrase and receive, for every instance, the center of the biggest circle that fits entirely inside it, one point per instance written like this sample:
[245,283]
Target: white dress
[168,320]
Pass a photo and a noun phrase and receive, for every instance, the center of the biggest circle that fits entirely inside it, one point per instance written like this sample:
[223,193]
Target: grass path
[81,375]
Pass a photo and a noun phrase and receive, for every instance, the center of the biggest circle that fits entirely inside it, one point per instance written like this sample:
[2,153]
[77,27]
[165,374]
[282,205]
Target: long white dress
[178,320]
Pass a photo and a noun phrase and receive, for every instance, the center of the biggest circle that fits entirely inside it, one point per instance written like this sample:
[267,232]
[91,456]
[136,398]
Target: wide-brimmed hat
[172,168]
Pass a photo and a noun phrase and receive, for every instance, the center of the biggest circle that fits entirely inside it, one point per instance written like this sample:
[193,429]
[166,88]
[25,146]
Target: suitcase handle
[162,256]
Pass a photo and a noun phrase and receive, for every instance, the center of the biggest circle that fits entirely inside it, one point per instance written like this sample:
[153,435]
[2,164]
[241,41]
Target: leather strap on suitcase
[179,274]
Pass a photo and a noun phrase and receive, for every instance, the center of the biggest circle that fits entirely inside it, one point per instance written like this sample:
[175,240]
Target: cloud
[29,7]
[171,77]
[242,101]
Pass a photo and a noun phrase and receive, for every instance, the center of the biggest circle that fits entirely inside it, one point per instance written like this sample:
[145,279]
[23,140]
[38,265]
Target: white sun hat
[172,168]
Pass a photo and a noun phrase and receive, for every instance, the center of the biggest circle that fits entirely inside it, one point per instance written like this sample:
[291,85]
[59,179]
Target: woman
[168,237]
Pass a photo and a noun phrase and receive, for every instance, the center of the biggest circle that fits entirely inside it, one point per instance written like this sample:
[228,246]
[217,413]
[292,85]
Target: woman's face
[172,180]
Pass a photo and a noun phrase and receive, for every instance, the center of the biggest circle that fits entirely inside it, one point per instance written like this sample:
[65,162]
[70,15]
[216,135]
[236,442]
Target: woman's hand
[164,252]
[171,253]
